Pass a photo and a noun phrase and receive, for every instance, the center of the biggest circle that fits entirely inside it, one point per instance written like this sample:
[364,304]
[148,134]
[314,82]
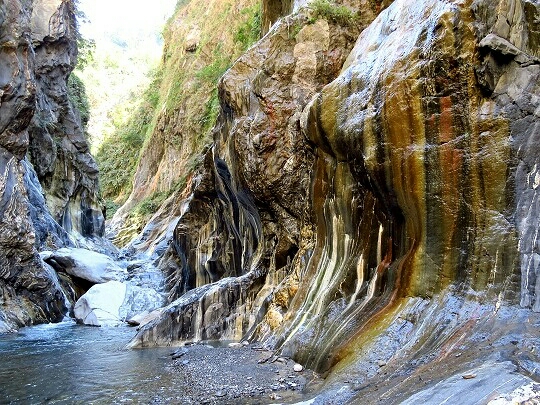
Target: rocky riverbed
[238,374]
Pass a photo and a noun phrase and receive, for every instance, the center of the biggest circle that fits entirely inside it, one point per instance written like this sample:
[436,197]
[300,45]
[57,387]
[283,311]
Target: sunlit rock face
[195,46]
[411,177]
[248,215]
[37,53]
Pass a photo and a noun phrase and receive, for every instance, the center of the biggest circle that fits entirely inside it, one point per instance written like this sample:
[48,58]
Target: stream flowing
[68,363]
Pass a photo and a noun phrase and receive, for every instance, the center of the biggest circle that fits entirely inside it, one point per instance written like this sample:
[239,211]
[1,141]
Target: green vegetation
[118,154]
[211,112]
[182,97]
[249,31]
[148,206]
[79,100]
[333,12]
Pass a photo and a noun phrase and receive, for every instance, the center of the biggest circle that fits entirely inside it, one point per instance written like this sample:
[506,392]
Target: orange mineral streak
[405,135]
[446,120]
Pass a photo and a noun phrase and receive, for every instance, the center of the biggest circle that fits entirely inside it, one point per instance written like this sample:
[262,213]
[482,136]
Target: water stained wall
[406,176]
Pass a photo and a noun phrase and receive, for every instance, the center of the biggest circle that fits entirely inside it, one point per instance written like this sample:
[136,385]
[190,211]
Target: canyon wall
[49,185]
[198,49]
[344,186]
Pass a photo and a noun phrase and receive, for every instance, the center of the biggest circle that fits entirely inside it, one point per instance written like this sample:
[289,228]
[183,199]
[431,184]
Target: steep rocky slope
[41,143]
[197,51]
[395,205]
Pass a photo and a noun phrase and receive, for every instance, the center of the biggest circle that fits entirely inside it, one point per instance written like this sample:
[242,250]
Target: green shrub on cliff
[249,31]
[331,11]
[198,50]
[79,99]
[118,154]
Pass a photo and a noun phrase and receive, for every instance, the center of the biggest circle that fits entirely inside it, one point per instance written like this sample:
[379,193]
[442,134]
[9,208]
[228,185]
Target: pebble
[298,367]
[235,344]
[381,363]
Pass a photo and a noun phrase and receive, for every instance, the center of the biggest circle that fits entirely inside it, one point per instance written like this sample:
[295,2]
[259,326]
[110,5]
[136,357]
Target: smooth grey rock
[101,304]
[179,353]
[491,378]
[140,299]
[91,266]
[144,317]
[498,44]
[113,302]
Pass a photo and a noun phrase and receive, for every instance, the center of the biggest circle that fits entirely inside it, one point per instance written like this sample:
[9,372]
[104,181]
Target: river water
[68,363]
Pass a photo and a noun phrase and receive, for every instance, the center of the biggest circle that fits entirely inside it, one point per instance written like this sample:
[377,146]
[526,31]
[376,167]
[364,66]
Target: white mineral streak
[391,38]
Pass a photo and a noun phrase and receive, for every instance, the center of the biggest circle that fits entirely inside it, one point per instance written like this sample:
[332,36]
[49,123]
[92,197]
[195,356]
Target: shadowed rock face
[37,53]
[58,148]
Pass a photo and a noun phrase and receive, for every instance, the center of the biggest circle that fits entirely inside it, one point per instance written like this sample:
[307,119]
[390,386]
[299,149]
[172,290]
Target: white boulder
[91,266]
[101,304]
[113,302]
[140,299]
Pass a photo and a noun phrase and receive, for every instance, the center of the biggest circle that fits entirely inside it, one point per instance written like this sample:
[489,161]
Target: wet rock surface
[396,204]
[248,215]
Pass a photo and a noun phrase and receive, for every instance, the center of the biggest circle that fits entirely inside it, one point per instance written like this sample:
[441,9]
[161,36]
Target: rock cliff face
[37,53]
[197,52]
[327,215]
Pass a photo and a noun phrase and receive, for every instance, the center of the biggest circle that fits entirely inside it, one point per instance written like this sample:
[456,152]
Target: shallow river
[67,363]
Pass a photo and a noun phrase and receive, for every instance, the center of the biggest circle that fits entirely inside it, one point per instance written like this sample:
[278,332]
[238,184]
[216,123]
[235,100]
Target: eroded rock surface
[58,148]
[248,214]
[325,214]
[85,264]
[114,302]
[37,53]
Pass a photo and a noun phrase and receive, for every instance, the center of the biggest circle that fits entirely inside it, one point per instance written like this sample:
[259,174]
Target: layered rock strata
[58,148]
[414,176]
[37,53]
[248,215]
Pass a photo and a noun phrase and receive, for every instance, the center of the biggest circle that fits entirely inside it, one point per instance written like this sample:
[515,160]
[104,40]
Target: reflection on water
[68,363]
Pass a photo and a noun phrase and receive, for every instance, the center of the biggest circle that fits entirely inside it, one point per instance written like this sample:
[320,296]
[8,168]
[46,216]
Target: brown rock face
[272,10]
[37,53]
[400,195]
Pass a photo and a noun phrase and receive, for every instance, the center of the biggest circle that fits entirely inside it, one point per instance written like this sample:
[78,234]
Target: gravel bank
[237,375]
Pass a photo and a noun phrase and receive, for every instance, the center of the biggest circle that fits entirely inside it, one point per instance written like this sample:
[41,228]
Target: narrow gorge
[351,185]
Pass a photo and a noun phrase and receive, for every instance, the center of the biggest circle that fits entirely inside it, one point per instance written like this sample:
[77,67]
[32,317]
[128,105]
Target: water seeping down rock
[49,183]
[344,200]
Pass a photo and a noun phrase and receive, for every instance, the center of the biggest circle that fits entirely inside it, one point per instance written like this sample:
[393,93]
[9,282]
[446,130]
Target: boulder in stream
[111,303]
[91,266]
[101,304]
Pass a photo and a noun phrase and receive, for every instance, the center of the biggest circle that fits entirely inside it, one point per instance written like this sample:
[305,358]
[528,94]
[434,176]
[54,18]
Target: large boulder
[113,302]
[82,263]
[101,304]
